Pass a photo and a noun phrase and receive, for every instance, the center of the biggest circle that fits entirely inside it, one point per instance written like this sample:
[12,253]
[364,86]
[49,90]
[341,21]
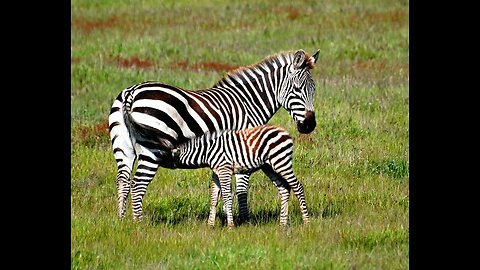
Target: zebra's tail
[127,109]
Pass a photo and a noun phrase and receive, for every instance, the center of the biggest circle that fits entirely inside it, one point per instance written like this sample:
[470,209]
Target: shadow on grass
[161,214]
[178,210]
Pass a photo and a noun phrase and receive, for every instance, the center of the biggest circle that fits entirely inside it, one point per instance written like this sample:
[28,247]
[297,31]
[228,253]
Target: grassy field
[354,166]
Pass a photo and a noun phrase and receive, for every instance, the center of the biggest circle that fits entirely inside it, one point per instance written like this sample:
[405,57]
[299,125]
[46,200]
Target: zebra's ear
[299,59]
[313,59]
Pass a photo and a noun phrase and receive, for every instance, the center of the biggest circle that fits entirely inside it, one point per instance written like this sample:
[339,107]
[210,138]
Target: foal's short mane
[287,56]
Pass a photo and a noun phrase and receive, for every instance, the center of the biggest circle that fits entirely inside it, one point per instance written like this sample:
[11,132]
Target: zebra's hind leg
[214,196]
[123,188]
[125,157]
[242,196]
[284,170]
[146,170]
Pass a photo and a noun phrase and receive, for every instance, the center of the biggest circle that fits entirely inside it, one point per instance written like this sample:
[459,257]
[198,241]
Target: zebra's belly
[246,168]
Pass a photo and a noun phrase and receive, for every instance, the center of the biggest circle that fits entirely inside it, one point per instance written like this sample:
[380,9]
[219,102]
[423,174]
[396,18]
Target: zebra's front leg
[225,177]
[242,196]
[147,167]
[214,196]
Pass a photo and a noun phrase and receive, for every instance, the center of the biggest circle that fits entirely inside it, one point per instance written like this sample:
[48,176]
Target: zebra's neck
[258,88]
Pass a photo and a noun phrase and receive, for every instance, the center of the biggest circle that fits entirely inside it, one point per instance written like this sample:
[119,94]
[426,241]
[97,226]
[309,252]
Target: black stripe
[174,102]
[149,133]
[146,158]
[114,138]
[260,85]
[141,174]
[162,116]
[155,145]
[118,150]
[119,97]
[211,97]
[270,136]
[283,151]
[114,109]
[243,147]
[254,102]
[194,105]
[112,125]
[121,166]
[227,107]
[145,167]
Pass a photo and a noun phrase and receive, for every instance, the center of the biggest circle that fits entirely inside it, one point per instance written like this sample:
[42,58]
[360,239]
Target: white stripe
[207,112]
[191,111]
[153,122]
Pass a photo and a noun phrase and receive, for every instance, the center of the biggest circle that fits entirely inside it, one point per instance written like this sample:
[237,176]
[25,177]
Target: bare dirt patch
[292,13]
[137,24]
[91,135]
[133,62]
[88,26]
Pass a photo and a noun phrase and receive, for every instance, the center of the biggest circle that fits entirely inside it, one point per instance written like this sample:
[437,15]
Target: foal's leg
[214,196]
[242,195]
[225,179]
[283,191]
[284,170]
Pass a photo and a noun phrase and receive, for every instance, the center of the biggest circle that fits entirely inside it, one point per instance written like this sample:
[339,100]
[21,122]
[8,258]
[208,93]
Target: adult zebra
[267,147]
[148,119]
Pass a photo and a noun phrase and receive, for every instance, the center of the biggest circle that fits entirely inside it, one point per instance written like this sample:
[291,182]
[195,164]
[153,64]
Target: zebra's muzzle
[308,124]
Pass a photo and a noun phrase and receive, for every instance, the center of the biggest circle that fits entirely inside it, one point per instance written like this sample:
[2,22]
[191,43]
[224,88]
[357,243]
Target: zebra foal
[229,152]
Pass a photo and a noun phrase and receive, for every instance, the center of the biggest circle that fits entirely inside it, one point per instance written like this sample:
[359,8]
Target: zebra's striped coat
[266,147]
[148,119]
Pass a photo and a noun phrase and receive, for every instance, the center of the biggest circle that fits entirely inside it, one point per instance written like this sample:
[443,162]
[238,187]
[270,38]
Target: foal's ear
[298,59]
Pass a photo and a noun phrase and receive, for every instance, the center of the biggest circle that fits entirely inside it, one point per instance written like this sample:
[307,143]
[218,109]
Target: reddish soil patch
[369,65]
[95,133]
[132,62]
[87,26]
[395,17]
[292,13]
[215,66]
[74,61]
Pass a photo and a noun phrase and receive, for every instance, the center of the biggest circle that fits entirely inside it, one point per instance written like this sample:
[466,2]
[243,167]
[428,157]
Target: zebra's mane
[287,57]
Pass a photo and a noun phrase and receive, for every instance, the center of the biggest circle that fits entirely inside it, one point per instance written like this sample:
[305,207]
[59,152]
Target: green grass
[354,166]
